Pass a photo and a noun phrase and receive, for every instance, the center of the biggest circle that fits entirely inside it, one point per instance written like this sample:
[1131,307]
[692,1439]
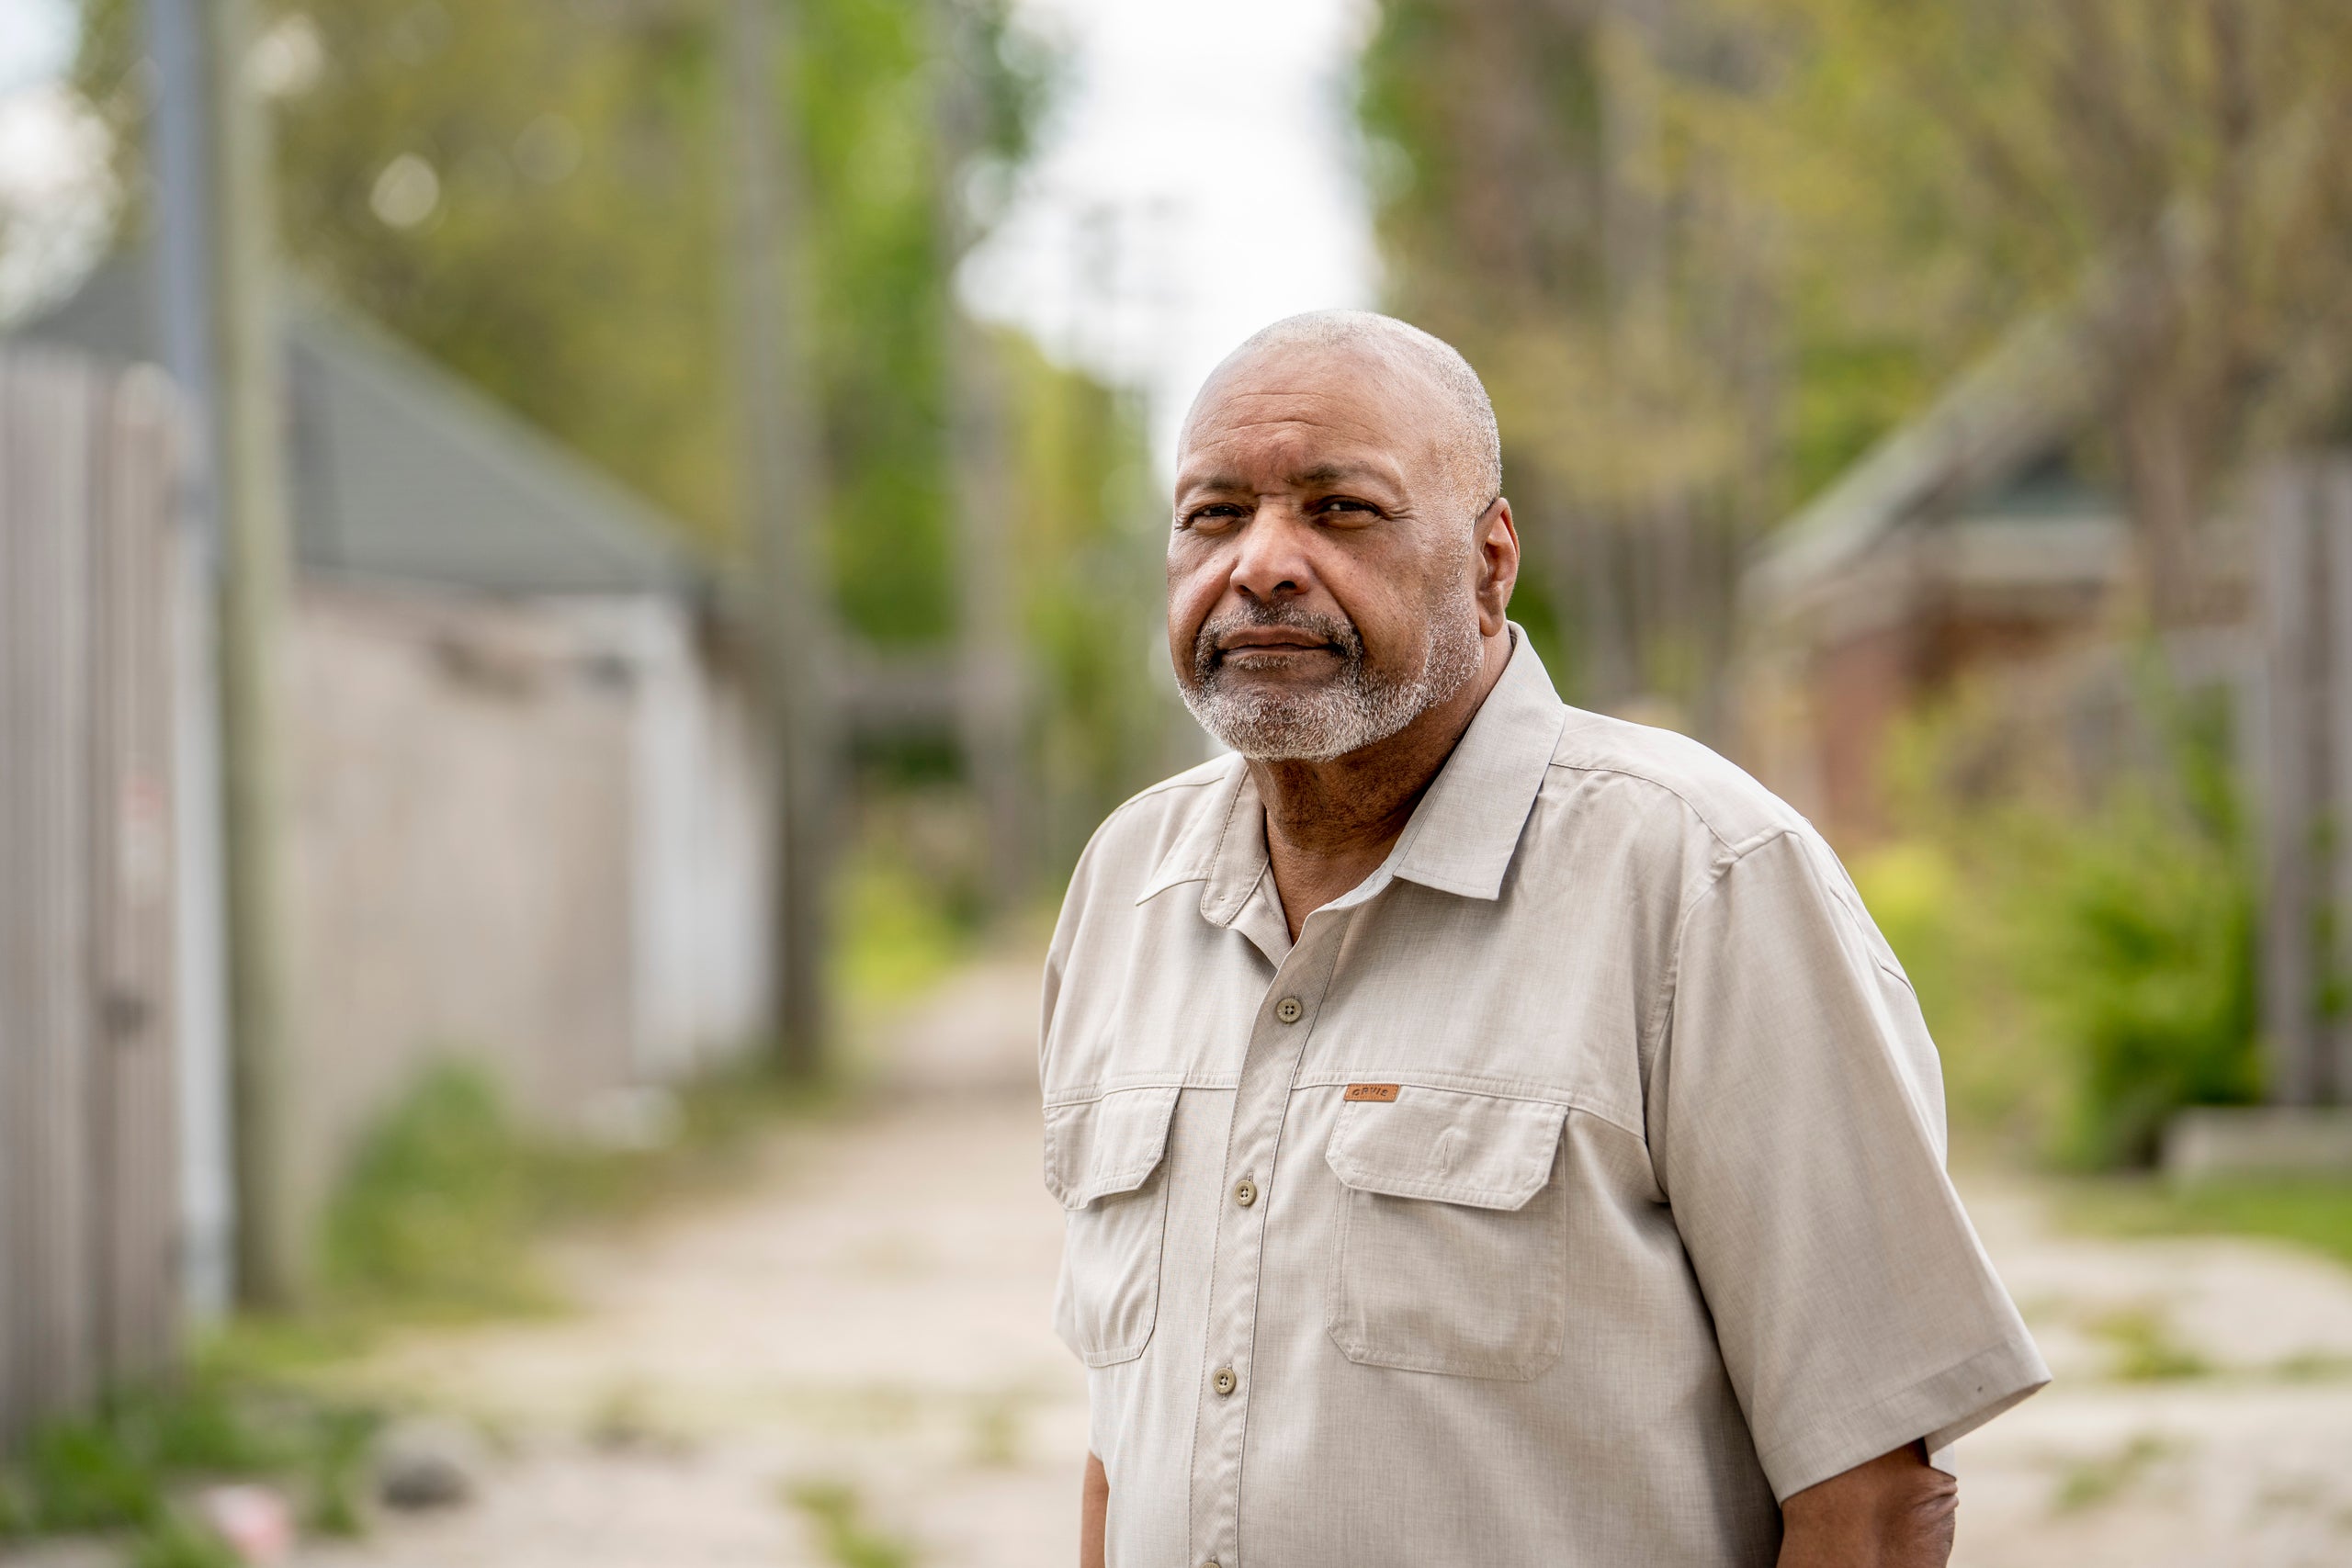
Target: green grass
[899,933]
[2099,1480]
[837,1513]
[118,1471]
[2145,1351]
[2315,1213]
[438,1214]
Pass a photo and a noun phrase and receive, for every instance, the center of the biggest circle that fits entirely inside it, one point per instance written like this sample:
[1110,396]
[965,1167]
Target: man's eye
[1209,519]
[1346,503]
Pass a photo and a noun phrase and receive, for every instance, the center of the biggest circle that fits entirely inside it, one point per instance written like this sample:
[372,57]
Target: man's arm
[1094,1508]
[1897,1511]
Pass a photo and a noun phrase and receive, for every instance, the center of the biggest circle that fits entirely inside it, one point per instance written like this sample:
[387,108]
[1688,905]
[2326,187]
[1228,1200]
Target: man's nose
[1272,564]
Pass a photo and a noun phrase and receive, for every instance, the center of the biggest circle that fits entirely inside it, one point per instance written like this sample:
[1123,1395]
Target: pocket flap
[1097,1147]
[1478,1149]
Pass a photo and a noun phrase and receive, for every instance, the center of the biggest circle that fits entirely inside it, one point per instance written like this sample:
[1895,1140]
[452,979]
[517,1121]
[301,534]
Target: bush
[117,1470]
[437,1206]
[2137,942]
[2084,955]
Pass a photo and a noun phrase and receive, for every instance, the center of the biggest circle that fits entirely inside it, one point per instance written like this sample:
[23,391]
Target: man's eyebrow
[1213,481]
[1340,473]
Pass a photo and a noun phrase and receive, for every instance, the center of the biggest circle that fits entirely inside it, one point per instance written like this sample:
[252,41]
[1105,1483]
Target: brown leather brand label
[1380,1091]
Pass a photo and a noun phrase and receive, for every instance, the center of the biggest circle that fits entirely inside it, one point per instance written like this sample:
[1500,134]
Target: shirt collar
[1465,831]
[1460,837]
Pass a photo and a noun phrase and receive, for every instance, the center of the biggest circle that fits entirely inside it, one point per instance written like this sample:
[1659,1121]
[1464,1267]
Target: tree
[1558,197]
[2166,173]
[529,192]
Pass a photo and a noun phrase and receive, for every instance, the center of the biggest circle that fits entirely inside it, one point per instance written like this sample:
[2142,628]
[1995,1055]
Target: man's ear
[1497,541]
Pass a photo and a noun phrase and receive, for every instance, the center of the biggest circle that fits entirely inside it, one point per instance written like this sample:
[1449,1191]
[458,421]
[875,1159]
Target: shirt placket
[1277,1043]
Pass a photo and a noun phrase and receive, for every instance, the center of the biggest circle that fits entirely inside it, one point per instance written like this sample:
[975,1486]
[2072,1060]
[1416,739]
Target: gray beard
[1357,707]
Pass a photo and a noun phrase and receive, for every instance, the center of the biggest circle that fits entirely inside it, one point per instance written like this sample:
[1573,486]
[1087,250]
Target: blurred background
[574,575]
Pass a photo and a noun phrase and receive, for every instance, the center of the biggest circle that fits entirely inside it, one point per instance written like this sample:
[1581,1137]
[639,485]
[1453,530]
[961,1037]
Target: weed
[2315,1212]
[334,1472]
[2145,1351]
[431,1213]
[834,1508]
[2092,1482]
[116,1470]
[83,1476]
[175,1542]
[996,1431]
[2313,1366]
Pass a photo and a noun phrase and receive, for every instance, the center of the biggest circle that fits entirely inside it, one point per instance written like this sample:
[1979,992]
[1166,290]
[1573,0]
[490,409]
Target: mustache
[1335,631]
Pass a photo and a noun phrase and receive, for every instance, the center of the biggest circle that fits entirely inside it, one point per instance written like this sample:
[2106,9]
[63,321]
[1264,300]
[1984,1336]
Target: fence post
[2332,531]
[88,1216]
[2306,609]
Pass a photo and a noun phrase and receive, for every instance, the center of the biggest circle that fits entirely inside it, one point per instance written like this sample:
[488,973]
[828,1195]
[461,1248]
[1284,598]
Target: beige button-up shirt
[1568,1193]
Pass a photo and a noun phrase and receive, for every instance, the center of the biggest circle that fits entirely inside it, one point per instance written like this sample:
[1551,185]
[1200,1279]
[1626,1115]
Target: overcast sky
[1196,180]
[36,37]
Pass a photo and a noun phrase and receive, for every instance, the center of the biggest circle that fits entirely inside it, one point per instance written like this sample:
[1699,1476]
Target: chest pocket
[1451,1247]
[1106,1163]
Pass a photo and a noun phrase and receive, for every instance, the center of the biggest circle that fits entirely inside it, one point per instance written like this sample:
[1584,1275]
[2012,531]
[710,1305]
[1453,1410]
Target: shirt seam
[1660,1011]
[1087,1094]
[1470,1083]
[1783,1450]
[1688,804]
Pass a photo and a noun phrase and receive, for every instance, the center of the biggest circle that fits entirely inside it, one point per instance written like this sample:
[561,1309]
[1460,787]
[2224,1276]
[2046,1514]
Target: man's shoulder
[1179,797]
[1671,781]
[1139,832]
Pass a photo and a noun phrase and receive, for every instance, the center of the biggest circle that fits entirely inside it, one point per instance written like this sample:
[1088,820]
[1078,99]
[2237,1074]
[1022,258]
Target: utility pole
[218,224]
[783,504]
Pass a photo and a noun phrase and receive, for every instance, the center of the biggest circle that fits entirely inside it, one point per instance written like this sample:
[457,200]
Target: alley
[851,1362]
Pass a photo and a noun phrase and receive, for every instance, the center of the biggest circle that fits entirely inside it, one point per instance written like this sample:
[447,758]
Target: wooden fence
[89,1212]
[2305,764]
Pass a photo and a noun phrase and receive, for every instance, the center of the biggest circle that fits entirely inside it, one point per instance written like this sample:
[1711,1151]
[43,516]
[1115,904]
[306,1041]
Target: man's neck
[1329,824]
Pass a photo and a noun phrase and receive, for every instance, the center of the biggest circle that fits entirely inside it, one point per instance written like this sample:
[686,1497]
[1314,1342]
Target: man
[1491,1134]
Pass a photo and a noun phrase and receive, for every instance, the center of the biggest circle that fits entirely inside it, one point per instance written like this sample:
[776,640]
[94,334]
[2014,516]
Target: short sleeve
[1797,1129]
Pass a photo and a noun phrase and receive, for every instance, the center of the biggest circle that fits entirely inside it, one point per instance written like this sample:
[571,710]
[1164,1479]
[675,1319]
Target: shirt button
[1245,1193]
[1224,1382]
[1288,1009]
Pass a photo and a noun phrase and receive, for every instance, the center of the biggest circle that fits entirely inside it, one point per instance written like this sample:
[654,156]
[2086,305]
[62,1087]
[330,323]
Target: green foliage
[117,1470]
[1562,193]
[2314,1211]
[440,1210]
[835,1510]
[572,261]
[437,1204]
[1089,536]
[2139,947]
[2093,1482]
[87,1475]
[903,924]
[2144,1349]
[335,1472]
[2087,963]
[177,1542]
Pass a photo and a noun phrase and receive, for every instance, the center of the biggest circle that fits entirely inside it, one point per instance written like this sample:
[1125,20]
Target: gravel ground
[857,1347]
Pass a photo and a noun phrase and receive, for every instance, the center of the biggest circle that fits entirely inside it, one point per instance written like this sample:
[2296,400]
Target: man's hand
[1894,1512]
[1094,1508]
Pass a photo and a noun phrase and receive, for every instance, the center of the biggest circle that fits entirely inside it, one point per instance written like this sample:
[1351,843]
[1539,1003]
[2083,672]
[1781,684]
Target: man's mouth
[1256,648]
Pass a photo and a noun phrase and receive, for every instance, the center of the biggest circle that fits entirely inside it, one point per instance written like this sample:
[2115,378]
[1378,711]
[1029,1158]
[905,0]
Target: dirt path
[865,1327]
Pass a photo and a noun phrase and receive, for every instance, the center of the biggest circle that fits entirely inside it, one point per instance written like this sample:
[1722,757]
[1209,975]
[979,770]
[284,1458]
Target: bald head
[1466,439]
